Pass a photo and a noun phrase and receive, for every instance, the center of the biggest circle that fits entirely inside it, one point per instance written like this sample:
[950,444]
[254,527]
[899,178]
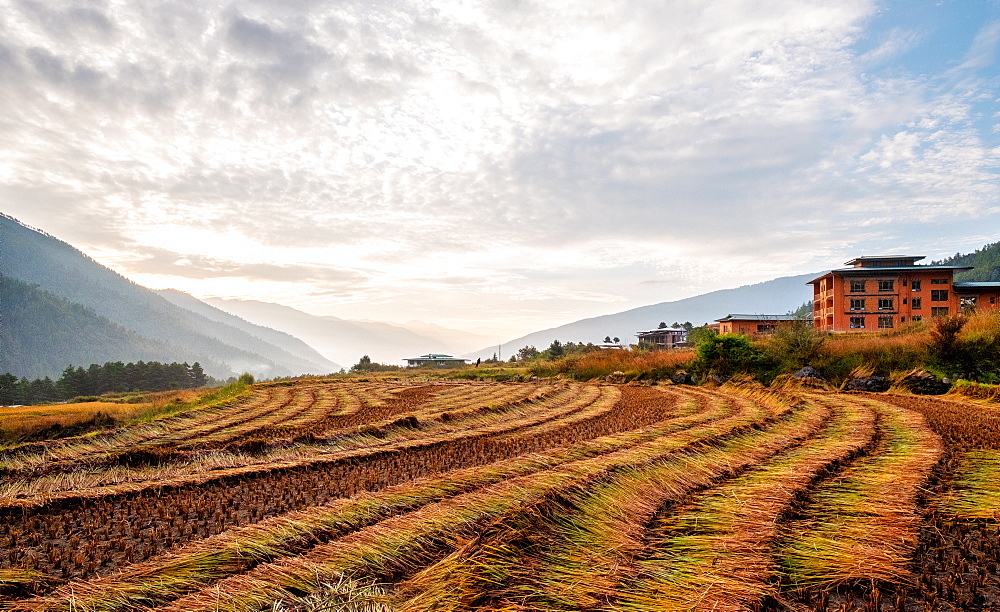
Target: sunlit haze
[497,167]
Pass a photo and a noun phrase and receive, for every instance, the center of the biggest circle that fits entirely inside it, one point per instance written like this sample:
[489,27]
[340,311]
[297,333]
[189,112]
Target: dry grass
[714,554]
[22,421]
[633,364]
[976,493]
[862,526]
[555,496]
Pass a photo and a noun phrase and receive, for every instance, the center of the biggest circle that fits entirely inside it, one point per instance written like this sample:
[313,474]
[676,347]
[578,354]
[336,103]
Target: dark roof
[434,357]
[665,330]
[876,270]
[759,317]
[977,285]
[882,257]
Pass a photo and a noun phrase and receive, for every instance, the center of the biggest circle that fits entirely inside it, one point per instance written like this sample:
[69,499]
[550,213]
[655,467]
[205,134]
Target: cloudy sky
[501,166]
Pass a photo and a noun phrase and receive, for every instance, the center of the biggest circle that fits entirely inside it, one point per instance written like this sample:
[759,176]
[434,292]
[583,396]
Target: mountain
[42,333]
[776,296]
[293,353]
[157,328]
[985,264]
[341,340]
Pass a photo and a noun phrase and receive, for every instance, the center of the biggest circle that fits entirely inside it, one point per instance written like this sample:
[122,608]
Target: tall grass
[861,527]
[61,420]
[634,365]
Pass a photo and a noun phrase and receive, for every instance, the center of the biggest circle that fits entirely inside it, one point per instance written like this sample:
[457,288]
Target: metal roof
[434,357]
[976,285]
[883,257]
[759,317]
[874,270]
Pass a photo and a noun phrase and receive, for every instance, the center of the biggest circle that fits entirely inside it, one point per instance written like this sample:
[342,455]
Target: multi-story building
[884,291]
[664,338]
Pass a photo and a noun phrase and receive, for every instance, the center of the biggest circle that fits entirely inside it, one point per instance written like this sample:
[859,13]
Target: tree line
[112,377]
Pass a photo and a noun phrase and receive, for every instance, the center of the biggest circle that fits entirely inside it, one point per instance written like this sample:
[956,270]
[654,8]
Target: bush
[731,354]
[634,365]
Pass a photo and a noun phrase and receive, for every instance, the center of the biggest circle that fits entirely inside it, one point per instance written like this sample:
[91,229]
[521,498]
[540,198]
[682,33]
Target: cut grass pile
[439,495]
[862,526]
[714,553]
[976,492]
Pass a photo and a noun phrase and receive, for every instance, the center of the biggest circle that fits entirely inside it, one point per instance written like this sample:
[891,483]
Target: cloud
[517,150]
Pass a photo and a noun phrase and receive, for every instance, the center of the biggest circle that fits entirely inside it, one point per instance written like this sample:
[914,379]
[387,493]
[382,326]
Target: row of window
[937,295]
[887,321]
[860,286]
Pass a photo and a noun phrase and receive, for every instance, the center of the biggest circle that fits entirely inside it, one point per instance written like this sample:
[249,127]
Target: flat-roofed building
[435,360]
[978,295]
[664,338]
[881,292]
[753,324]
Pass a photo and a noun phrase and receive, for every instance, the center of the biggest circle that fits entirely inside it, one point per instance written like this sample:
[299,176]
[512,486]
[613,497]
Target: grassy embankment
[29,423]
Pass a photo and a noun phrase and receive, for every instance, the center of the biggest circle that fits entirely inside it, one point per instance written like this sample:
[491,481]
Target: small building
[754,324]
[665,338]
[977,295]
[880,292]
[435,360]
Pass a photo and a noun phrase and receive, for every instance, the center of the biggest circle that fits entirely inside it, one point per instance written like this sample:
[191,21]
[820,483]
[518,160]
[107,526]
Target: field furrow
[554,495]
[862,527]
[161,517]
[715,552]
[238,550]
[402,544]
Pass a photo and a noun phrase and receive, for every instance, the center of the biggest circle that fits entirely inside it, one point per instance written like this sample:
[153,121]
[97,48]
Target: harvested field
[542,495]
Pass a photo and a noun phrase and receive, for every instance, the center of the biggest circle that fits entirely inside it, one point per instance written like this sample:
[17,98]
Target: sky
[498,167]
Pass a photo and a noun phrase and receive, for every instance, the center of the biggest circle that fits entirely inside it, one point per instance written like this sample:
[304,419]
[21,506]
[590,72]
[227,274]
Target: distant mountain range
[777,296]
[60,307]
[345,341]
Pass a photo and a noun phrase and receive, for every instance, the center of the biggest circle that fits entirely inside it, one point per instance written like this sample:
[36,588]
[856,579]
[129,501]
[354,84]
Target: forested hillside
[985,264]
[156,329]
[42,333]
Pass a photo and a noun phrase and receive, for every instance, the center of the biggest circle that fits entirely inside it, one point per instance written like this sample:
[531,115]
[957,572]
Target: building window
[915,286]
[857,322]
[885,322]
[885,285]
[993,300]
[902,319]
[939,295]
[967,303]
[916,303]
[916,318]
[885,304]
[939,311]
[766,328]
[939,281]
[857,286]
[858,304]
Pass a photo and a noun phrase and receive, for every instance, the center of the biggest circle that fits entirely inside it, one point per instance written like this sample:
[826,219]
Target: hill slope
[776,296]
[985,264]
[292,353]
[42,333]
[61,270]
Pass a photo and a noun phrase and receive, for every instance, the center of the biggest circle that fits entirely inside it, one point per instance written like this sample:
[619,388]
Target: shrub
[730,354]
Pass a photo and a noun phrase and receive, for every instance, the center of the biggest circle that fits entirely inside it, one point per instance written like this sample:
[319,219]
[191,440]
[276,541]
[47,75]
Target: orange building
[881,292]
[752,324]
